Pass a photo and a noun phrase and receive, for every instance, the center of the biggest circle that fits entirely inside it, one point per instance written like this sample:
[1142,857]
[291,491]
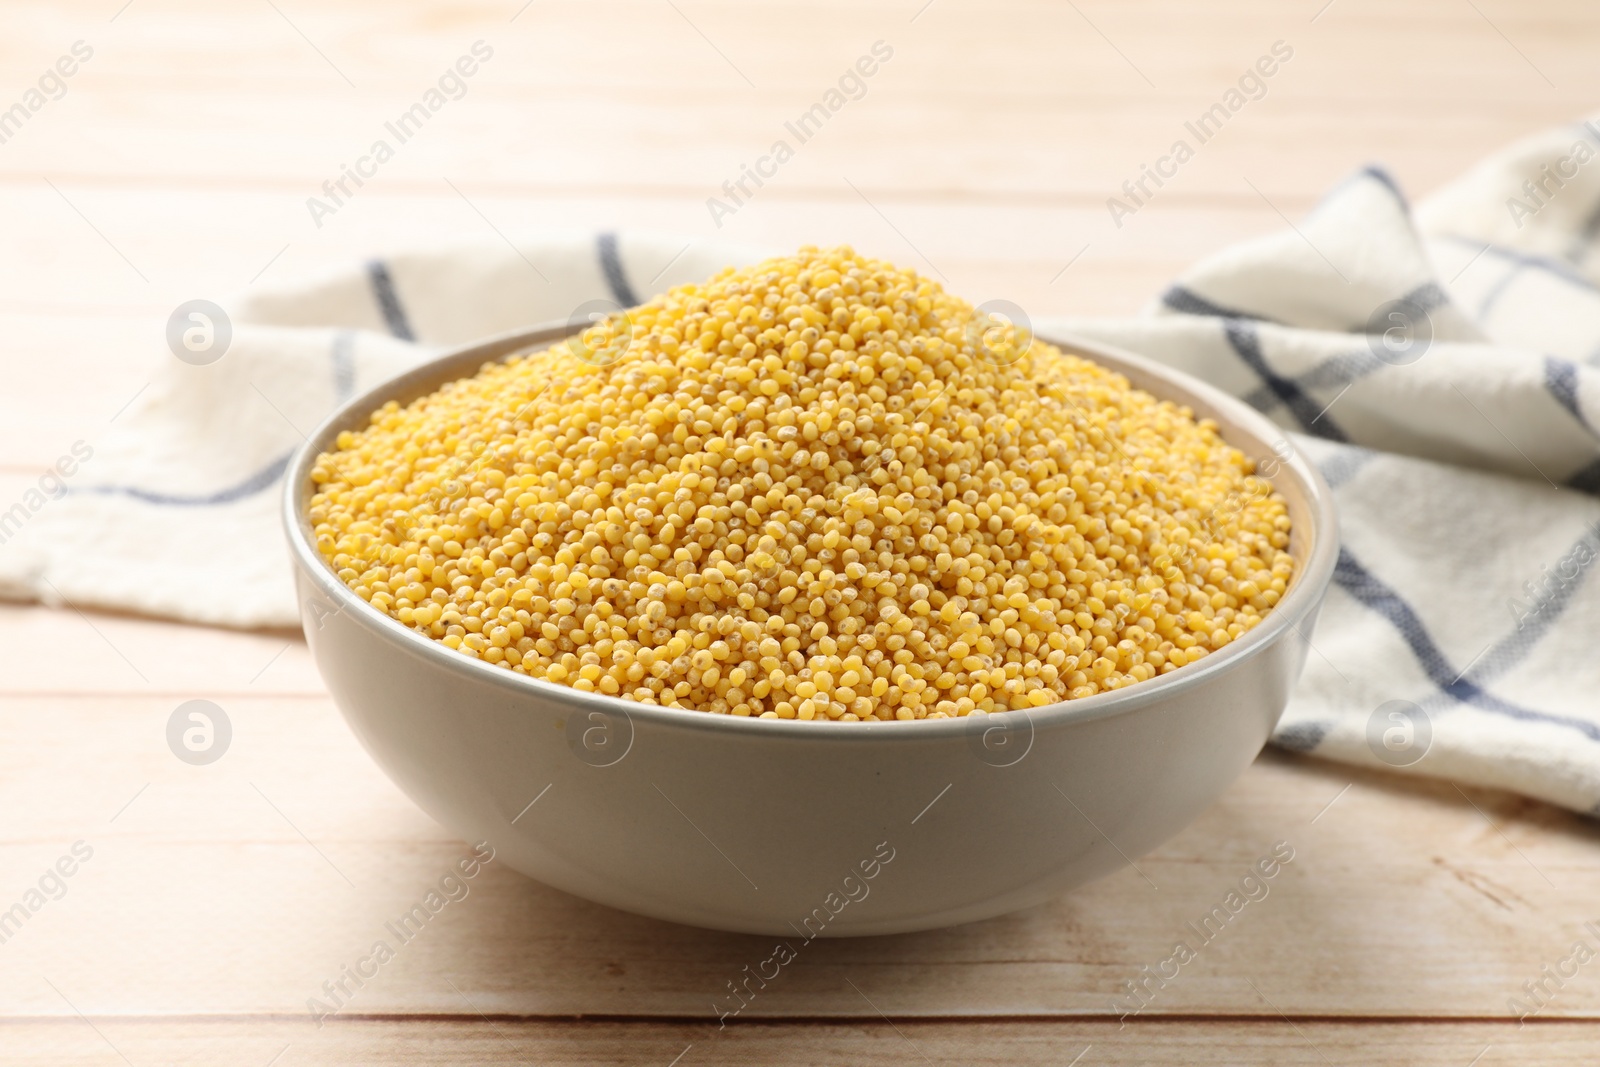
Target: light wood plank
[60,651]
[1402,898]
[476,1041]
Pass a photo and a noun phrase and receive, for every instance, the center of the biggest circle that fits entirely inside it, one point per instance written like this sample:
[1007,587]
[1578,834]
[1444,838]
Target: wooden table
[218,899]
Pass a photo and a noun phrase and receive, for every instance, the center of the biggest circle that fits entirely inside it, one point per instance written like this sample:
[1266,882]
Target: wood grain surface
[216,901]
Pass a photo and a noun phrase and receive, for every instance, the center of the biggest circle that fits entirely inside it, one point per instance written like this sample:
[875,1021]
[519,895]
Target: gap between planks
[472,1018]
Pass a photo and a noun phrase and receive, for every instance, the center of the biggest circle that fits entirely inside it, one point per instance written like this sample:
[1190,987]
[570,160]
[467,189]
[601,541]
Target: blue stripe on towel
[388,300]
[1246,342]
[255,483]
[611,266]
[1189,302]
[1385,179]
[1586,479]
[1365,587]
[1514,647]
[1561,379]
[1371,172]
[1427,296]
[1554,267]
[1336,372]
[1344,465]
[1341,370]
[1376,173]
[343,367]
[1301,736]
[1333,373]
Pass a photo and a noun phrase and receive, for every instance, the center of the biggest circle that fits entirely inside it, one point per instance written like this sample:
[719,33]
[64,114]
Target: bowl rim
[1235,419]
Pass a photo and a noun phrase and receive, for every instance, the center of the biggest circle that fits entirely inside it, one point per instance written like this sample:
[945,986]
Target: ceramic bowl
[806,829]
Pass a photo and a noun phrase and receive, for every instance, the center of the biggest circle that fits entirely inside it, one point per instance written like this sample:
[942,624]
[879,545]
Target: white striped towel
[1439,365]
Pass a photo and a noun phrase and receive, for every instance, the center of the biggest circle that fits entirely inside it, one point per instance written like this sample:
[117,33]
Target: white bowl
[807,828]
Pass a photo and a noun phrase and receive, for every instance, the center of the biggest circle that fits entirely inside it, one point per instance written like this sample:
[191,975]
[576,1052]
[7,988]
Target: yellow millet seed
[816,488]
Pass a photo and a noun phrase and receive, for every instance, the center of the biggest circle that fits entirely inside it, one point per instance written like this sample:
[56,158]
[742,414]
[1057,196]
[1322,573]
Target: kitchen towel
[1439,364]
